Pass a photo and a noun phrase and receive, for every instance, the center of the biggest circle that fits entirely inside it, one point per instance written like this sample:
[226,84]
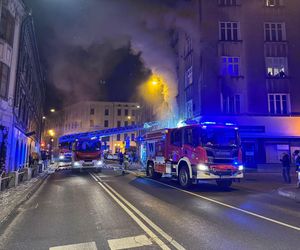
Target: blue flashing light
[236,163]
[209,123]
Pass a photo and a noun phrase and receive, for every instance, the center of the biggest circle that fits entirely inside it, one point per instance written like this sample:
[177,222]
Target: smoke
[88,39]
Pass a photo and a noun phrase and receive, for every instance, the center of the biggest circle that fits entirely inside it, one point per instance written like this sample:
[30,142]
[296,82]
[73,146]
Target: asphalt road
[111,211]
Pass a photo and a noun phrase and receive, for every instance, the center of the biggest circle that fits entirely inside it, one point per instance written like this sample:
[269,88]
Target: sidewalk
[290,192]
[11,199]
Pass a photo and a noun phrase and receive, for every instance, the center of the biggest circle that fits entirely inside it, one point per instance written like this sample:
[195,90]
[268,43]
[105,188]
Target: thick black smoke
[95,47]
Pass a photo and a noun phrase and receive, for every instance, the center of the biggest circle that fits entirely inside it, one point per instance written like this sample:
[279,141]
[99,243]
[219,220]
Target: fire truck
[193,153]
[86,154]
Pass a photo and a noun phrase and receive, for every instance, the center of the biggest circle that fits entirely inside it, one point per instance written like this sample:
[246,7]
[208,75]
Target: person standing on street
[285,160]
[297,163]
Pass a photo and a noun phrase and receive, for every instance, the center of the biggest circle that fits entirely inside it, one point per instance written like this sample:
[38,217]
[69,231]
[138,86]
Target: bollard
[13,179]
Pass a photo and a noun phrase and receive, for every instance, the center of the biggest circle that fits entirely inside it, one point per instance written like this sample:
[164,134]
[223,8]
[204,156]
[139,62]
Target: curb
[289,194]
[31,192]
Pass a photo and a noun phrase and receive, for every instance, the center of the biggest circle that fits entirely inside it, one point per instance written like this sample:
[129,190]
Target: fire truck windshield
[88,146]
[220,136]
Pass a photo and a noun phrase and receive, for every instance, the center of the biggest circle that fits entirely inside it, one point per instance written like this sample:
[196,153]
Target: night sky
[102,49]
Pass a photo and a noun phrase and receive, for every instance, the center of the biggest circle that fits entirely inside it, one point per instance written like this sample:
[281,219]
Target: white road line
[148,231]
[146,219]
[129,242]
[80,246]
[230,206]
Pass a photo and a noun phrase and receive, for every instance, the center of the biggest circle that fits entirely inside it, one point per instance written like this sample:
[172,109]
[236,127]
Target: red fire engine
[206,151]
[86,153]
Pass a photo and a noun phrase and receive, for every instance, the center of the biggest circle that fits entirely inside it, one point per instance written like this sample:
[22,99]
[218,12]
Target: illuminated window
[189,76]
[274,3]
[229,31]
[231,104]
[230,66]
[277,66]
[275,32]
[278,103]
[228,2]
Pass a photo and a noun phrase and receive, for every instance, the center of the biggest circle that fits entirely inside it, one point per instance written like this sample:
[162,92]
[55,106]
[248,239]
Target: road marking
[230,206]
[129,242]
[80,246]
[146,219]
[148,231]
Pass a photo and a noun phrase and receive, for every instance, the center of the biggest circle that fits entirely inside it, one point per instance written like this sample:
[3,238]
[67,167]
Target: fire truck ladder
[98,134]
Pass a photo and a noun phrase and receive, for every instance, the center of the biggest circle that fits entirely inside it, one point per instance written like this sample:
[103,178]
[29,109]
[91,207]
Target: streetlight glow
[51,132]
[52,110]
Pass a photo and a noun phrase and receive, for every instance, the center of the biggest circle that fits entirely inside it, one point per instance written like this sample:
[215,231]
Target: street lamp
[51,132]
[52,110]
[44,117]
[129,117]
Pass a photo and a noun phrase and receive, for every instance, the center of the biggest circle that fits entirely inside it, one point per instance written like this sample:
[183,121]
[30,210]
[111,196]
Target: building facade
[29,97]
[239,63]
[12,13]
[92,116]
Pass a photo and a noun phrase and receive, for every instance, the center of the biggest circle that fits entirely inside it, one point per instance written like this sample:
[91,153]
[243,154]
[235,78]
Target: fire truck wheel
[183,178]
[224,183]
[151,172]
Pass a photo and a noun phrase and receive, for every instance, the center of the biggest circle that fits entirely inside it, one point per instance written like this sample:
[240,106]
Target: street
[110,211]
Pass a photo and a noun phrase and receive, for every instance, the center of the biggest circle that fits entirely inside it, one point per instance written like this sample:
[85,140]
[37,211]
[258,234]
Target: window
[92,111]
[4,80]
[125,137]
[126,112]
[230,66]
[228,2]
[126,123]
[118,137]
[231,104]
[106,112]
[275,32]
[119,112]
[278,103]
[132,137]
[189,109]
[7,26]
[119,124]
[229,31]
[133,123]
[176,137]
[106,124]
[92,123]
[189,76]
[276,66]
[133,112]
[274,3]
[188,46]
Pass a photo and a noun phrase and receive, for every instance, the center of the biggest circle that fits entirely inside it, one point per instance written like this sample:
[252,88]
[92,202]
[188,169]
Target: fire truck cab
[86,154]
[206,151]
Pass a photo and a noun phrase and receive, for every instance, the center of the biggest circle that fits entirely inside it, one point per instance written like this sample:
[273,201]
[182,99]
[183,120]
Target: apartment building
[92,116]
[239,63]
[11,16]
